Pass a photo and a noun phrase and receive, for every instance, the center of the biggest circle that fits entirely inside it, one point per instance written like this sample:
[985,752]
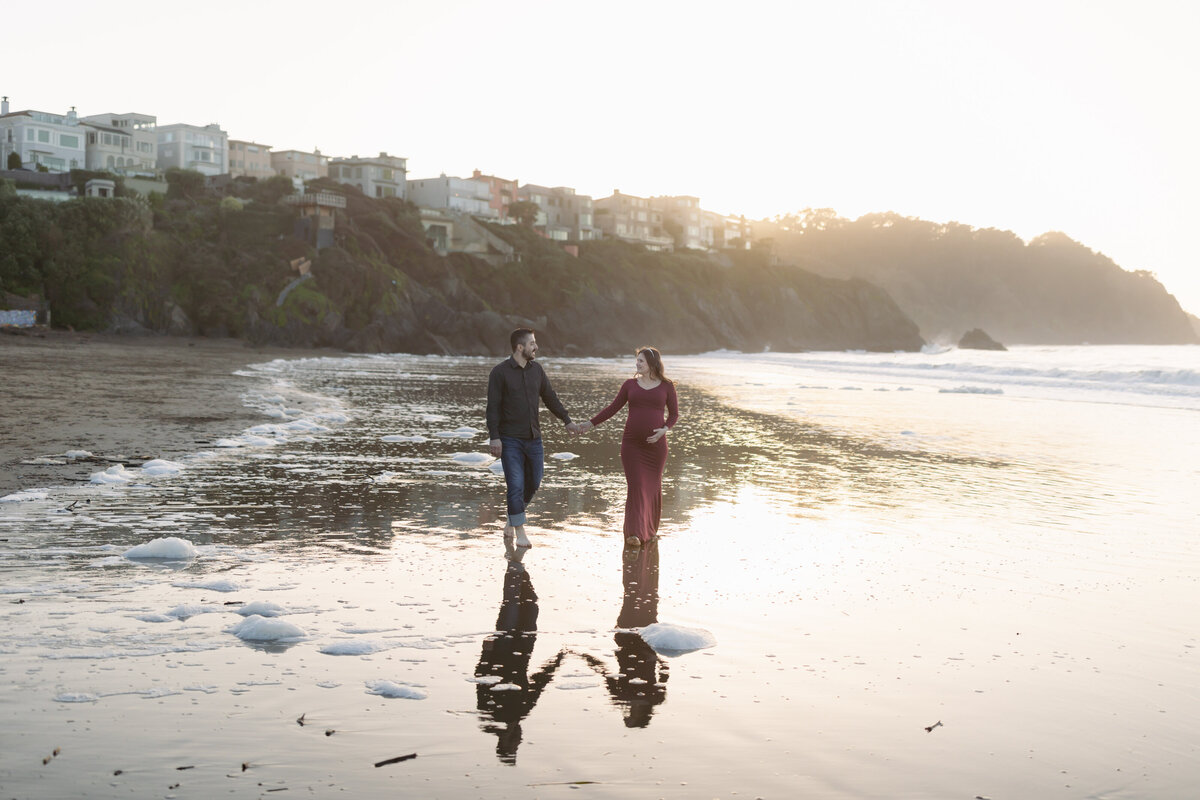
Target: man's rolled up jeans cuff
[516,520]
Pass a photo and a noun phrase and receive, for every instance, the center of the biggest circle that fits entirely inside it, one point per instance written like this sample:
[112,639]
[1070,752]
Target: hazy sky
[1079,117]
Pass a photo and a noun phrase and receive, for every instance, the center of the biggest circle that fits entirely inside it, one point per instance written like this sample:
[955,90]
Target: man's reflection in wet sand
[640,683]
[506,655]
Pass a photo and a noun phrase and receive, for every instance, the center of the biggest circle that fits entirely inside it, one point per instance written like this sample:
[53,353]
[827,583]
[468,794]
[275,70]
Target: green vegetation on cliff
[216,263]
[210,262]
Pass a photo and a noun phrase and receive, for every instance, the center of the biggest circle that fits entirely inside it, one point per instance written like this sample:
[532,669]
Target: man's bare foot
[508,532]
[522,539]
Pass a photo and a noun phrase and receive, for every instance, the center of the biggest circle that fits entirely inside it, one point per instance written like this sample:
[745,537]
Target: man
[516,387]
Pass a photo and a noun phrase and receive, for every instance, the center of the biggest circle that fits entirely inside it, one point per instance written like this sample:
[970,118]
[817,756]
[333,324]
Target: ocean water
[944,574]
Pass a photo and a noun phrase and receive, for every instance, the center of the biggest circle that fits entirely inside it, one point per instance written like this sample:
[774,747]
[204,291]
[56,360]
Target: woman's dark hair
[654,361]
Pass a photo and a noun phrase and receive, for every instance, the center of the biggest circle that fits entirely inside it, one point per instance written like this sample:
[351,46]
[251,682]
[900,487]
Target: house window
[66,140]
[43,136]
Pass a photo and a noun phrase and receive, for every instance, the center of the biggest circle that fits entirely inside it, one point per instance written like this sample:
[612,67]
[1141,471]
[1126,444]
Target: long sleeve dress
[649,409]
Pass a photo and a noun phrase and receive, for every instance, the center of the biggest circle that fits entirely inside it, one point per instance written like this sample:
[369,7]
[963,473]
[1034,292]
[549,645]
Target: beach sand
[122,398]
[923,614]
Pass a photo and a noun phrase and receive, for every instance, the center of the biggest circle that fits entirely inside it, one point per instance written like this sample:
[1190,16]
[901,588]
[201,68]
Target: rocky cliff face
[952,278]
[202,263]
[607,301]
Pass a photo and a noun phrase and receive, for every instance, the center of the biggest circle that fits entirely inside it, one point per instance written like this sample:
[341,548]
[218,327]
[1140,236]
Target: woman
[644,443]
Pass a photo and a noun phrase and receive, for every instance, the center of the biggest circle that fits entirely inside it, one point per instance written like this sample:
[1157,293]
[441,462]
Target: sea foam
[392,689]
[675,640]
[170,548]
[261,629]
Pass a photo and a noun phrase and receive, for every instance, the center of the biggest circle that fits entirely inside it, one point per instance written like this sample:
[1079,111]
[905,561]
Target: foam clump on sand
[114,474]
[392,689]
[246,440]
[75,455]
[26,496]
[671,640]
[76,697]
[160,466]
[186,611]
[261,629]
[263,608]
[565,456]
[472,458]
[171,548]
[396,437]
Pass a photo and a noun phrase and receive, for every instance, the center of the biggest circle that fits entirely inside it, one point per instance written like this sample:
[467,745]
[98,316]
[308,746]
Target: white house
[126,144]
[465,195]
[53,141]
[382,176]
[203,149]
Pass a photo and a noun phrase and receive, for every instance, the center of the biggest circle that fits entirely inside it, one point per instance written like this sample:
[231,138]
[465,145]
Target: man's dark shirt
[512,400]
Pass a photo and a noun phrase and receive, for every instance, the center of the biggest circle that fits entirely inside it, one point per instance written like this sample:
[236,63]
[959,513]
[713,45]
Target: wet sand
[122,398]
[859,593]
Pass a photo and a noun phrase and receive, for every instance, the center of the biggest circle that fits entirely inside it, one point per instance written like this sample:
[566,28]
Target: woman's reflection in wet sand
[640,682]
[506,656]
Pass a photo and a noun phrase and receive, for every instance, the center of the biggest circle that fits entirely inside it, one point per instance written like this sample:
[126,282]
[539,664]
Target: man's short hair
[519,336]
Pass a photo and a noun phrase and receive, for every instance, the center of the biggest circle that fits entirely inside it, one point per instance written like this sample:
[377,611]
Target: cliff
[199,263]
[953,278]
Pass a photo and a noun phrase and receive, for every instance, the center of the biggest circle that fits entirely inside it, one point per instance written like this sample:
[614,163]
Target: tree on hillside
[525,212]
[14,161]
[184,184]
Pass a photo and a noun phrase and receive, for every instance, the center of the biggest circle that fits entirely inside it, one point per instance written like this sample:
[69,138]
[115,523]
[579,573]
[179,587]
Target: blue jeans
[522,462]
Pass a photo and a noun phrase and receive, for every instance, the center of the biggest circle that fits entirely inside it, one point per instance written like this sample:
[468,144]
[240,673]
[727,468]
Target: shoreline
[122,398]
[869,564]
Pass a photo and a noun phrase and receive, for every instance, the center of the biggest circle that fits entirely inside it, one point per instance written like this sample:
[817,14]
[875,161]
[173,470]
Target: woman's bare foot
[633,541]
[522,539]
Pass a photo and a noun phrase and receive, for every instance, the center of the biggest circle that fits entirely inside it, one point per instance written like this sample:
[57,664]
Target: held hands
[658,434]
[494,447]
[576,428]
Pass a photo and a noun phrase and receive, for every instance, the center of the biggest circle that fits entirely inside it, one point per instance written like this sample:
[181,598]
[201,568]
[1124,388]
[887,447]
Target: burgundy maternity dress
[643,462]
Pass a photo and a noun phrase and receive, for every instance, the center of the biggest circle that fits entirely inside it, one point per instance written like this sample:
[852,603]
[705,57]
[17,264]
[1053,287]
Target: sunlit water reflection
[871,553]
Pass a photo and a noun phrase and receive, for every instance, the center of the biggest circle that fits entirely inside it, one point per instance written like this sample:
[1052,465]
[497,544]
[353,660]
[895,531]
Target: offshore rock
[976,339]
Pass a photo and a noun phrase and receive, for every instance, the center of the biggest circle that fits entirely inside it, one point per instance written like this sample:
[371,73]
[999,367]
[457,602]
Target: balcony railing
[316,199]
